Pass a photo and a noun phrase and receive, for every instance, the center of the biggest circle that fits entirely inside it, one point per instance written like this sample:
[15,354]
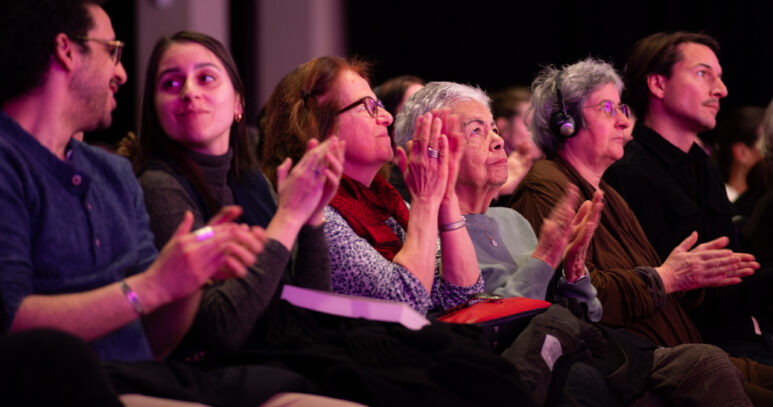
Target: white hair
[434,95]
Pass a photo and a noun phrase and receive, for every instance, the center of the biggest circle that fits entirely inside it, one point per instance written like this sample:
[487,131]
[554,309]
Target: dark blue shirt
[70,226]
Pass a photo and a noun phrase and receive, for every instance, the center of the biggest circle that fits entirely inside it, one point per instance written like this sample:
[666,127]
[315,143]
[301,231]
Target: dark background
[496,44]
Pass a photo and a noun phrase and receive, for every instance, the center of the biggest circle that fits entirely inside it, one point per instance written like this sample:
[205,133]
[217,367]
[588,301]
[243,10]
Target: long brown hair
[154,143]
[294,115]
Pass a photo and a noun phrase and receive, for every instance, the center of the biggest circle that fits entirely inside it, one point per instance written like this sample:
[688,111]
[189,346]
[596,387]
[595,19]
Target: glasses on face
[610,108]
[371,105]
[116,47]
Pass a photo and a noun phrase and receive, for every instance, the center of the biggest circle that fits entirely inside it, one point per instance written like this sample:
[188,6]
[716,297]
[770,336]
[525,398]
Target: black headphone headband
[561,122]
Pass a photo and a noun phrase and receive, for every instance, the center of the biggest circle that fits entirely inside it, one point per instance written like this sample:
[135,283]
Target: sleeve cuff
[654,284]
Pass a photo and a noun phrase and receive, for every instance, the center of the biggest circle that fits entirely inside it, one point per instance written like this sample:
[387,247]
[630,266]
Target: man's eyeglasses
[371,105]
[610,108]
[116,47]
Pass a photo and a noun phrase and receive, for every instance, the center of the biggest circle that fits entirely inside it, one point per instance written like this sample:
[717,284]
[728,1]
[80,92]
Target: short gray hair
[434,95]
[578,81]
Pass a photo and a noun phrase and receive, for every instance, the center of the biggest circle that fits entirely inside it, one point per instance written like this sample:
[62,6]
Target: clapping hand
[705,265]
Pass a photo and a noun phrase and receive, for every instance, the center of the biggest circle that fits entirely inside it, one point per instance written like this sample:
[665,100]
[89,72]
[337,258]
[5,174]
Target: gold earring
[238,117]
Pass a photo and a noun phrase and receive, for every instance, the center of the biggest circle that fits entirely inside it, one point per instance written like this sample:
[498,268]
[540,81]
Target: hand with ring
[222,249]
[425,170]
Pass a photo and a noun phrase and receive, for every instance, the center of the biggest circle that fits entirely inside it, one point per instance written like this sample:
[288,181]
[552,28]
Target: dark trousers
[46,367]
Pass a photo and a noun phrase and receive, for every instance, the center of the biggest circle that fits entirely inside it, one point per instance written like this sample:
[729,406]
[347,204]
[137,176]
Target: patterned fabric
[366,209]
[358,269]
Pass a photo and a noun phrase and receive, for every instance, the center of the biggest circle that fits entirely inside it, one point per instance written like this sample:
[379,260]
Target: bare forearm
[459,262]
[88,315]
[418,252]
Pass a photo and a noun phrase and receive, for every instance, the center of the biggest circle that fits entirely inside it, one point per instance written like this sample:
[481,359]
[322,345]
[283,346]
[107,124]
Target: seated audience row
[184,263]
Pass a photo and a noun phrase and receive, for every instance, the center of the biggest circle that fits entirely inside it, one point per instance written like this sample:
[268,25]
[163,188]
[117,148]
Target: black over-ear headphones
[562,123]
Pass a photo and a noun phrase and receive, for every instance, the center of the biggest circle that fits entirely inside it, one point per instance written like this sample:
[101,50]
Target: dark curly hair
[27,32]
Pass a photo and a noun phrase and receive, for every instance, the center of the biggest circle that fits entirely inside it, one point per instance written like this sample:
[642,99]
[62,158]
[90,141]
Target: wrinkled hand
[705,265]
[426,177]
[584,226]
[556,229]
[188,261]
[305,189]
[456,146]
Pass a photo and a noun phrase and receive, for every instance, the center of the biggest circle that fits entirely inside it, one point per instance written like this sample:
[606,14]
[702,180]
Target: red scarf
[367,209]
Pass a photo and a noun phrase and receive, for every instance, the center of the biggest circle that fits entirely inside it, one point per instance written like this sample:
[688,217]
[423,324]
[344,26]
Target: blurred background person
[737,137]
[510,107]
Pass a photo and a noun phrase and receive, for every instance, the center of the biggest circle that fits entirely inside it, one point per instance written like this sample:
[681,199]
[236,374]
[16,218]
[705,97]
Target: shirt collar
[662,148]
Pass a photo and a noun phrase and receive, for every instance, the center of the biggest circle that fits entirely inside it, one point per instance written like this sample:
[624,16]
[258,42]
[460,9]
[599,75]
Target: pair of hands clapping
[224,249]
[305,190]
[566,234]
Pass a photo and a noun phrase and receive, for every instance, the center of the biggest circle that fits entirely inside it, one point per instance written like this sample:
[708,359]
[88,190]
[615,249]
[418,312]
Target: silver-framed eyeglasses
[371,105]
[116,47]
[610,108]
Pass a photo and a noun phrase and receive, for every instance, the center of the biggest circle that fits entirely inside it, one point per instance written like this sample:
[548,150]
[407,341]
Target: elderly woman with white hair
[512,261]
[579,123]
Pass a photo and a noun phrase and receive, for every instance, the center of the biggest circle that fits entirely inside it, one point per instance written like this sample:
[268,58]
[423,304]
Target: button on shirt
[70,226]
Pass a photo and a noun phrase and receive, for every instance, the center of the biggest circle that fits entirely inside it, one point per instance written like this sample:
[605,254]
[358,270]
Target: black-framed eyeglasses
[610,108]
[371,105]
[116,47]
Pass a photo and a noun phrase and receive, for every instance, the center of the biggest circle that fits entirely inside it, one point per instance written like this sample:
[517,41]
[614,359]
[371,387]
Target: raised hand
[426,170]
[220,250]
[705,265]
[456,146]
[584,226]
[334,157]
[299,188]
[556,229]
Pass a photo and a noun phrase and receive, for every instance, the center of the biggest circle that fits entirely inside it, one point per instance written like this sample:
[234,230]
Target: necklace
[487,227]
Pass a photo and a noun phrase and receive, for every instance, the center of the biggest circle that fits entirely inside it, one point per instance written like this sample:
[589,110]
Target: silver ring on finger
[204,233]
[431,152]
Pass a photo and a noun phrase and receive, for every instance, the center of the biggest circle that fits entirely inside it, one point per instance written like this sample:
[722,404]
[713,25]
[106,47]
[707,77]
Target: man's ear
[65,52]
[657,85]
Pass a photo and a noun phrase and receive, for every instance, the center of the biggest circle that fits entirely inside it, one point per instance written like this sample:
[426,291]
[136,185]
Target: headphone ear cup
[563,124]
